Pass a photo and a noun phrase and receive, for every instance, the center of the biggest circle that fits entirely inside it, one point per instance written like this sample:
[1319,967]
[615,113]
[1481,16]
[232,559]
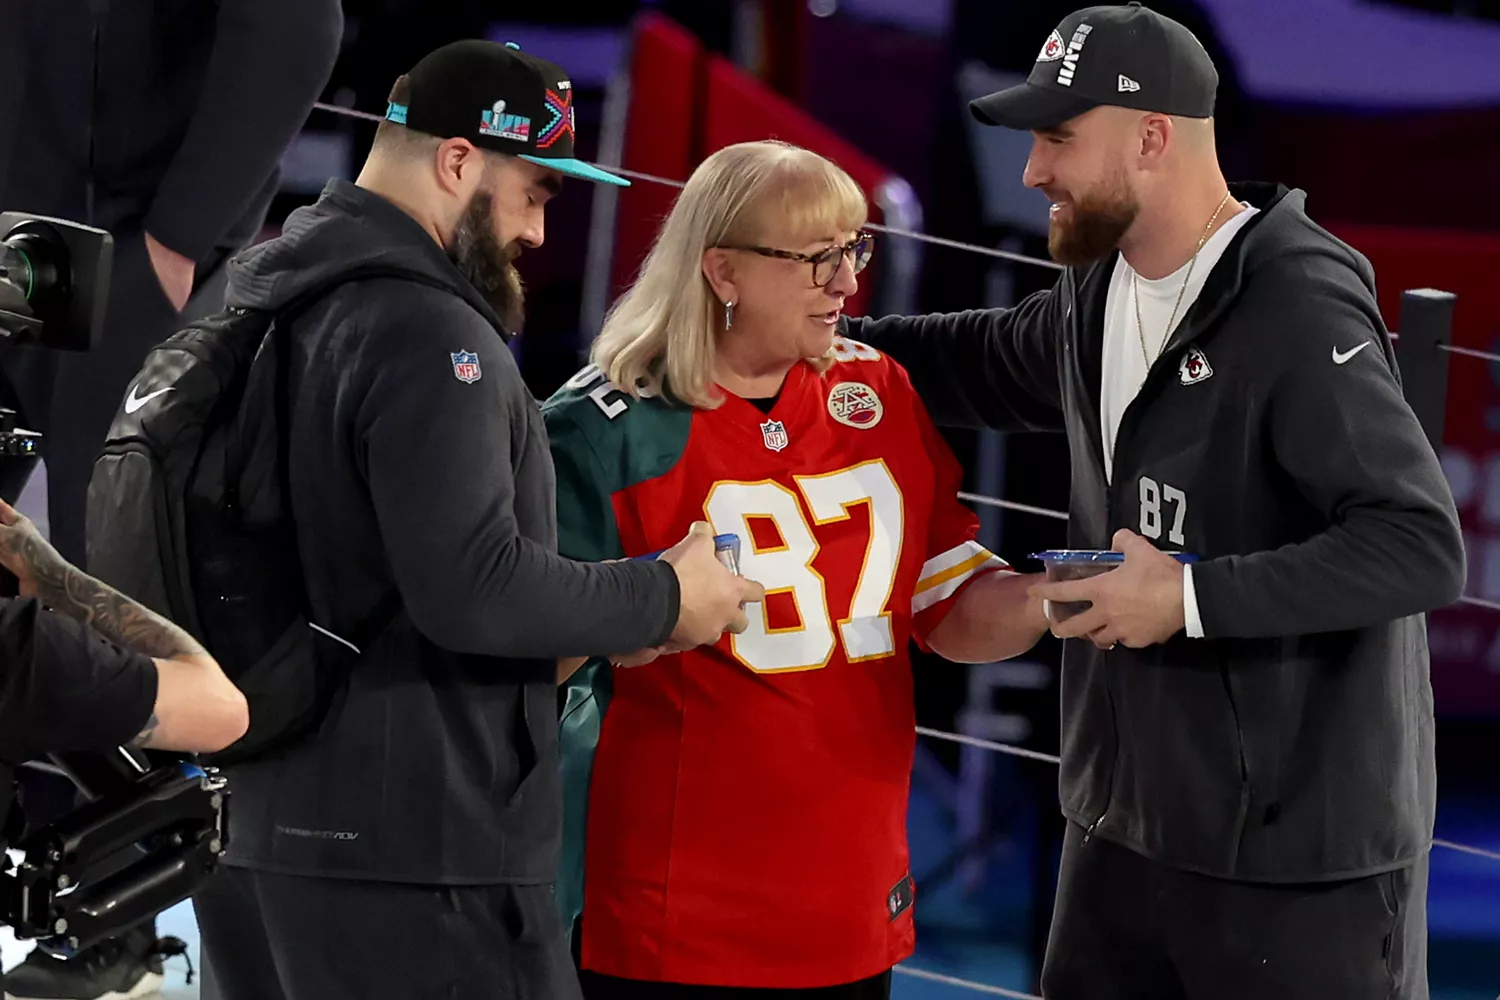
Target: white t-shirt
[1124,363]
[1124,360]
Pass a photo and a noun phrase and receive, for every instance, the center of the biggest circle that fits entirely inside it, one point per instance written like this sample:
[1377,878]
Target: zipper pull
[1089,833]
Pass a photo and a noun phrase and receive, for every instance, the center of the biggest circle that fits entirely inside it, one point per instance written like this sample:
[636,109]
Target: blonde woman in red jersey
[745,806]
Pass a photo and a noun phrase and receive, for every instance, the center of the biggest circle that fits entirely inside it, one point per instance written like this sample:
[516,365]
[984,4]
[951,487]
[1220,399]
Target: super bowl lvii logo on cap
[497,123]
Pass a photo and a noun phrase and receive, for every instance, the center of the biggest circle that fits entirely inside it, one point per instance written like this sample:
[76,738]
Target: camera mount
[164,831]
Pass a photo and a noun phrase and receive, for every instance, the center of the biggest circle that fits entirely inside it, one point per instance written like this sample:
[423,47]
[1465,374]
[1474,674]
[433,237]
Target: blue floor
[974,925]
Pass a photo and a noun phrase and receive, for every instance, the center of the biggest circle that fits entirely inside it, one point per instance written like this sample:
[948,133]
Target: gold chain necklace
[1140,328]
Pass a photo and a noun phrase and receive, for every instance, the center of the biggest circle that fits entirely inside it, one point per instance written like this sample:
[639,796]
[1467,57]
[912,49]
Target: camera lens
[16,270]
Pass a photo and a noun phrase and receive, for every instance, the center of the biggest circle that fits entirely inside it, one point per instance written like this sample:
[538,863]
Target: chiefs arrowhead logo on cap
[1053,50]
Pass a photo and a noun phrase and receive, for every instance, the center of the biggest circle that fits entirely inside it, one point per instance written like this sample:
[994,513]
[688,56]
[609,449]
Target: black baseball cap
[498,98]
[1127,56]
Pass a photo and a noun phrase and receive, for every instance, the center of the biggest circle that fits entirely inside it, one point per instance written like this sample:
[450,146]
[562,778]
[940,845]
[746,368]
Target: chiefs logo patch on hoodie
[1194,367]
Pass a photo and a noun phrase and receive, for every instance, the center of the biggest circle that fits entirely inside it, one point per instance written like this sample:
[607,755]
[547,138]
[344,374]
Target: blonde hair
[660,335]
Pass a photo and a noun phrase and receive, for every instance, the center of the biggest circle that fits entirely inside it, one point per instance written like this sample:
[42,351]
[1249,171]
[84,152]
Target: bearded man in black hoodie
[408,848]
[1247,740]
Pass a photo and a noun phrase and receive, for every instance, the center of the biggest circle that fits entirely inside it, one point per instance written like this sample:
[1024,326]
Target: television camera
[54,286]
[153,826]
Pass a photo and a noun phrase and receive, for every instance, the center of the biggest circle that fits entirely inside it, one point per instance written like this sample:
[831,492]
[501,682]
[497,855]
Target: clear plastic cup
[1080,564]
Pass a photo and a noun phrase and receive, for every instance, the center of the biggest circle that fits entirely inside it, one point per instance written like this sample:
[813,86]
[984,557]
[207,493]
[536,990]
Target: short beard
[1098,223]
[478,255]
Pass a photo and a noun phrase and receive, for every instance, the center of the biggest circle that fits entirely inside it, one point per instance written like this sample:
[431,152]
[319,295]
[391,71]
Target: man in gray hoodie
[407,849]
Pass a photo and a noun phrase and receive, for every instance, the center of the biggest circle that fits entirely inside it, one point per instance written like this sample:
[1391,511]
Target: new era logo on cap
[1123,55]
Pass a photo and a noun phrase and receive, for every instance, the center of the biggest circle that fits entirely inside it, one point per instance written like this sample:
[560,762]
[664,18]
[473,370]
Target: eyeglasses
[825,263]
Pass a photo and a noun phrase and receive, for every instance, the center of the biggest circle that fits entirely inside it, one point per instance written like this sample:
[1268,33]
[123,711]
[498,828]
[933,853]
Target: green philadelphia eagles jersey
[597,456]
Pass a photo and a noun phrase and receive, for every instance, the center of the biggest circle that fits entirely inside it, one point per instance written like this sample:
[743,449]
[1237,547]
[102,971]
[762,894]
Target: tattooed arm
[197,708]
[69,591]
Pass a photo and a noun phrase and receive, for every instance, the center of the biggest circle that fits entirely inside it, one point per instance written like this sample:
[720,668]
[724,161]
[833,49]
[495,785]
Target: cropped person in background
[163,123]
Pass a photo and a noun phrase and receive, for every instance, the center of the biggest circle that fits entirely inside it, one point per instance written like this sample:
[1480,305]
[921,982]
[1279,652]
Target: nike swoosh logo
[134,402]
[1339,357]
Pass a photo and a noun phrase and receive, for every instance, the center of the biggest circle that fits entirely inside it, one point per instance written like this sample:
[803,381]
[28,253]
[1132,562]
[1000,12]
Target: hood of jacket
[1282,235]
[348,229]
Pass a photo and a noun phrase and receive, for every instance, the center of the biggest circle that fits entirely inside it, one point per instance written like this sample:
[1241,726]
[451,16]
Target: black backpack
[189,513]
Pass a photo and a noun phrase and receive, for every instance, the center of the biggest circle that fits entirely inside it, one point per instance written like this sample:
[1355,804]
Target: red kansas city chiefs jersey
[747,809]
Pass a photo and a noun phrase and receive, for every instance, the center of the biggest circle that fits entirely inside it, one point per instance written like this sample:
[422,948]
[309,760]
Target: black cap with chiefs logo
[1123,55]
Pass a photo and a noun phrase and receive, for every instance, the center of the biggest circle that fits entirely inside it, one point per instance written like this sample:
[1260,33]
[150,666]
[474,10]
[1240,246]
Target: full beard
[1096,224]
[480,257]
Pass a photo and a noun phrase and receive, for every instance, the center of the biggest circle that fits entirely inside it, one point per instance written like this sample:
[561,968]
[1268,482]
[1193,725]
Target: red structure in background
[660,137]
[1465,640]
[685,103]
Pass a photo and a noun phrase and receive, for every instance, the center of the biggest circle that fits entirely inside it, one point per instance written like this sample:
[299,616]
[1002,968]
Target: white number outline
[742,528]
[869,500]
[1153,496]
[1172,495]
[599,394]
[846,350]
[840,636]
[1150,503]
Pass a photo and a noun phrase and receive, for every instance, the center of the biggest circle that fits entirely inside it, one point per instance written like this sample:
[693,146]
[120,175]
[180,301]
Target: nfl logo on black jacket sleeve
[466,366]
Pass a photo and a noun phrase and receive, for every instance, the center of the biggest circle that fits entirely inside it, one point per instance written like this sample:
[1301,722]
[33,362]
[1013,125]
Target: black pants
[288,937]
[597,987]
[1127,928]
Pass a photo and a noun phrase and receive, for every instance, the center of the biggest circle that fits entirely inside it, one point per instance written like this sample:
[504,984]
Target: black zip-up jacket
[1295,741]
[163,116]
[418,463]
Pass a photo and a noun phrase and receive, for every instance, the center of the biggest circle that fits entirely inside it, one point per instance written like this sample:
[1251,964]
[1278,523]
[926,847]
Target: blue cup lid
[1087,556]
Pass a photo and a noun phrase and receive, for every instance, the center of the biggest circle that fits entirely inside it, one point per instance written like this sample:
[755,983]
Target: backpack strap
[390,604]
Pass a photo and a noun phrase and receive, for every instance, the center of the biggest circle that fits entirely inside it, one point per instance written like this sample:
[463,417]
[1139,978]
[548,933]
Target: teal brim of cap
[577,168]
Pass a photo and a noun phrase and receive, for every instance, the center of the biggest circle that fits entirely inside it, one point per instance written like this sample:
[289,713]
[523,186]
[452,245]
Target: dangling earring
[728,315]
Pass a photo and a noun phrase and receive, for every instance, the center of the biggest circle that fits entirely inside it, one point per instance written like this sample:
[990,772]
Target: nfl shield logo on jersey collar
[774,431]
[466,366]
[1194,367]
